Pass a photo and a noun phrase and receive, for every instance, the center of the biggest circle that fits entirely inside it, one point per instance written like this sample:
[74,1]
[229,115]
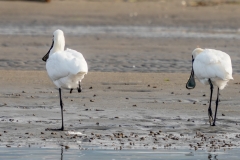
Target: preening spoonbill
[66,68]
[211,67]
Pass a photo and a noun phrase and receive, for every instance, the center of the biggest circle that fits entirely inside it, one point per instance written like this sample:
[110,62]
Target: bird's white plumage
[213,64]
[66,68]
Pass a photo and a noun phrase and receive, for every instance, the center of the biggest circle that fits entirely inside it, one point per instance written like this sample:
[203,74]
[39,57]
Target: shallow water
[63,154]
[128,31]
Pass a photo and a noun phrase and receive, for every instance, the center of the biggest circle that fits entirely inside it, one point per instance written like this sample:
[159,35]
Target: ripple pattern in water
[129,31]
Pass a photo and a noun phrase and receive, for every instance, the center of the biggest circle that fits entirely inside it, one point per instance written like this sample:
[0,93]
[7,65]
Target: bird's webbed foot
[79,89]
[54,129]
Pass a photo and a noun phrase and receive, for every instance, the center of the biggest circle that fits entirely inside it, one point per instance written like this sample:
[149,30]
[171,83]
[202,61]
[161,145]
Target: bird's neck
[58,46]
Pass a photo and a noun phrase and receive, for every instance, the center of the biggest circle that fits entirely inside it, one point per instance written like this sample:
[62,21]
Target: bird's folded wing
[213,63]
[78,62]
[62,64]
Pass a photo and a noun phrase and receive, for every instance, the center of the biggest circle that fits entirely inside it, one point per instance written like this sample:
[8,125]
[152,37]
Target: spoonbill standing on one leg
[211,67]
[66,68]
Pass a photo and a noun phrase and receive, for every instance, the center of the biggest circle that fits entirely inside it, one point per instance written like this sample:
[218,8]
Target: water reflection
[212,157]
[61,153]
[160,154]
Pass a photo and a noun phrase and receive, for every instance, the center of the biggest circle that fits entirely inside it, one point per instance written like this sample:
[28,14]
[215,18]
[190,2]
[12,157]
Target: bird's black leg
[217,100]
[61,104]
[210,102]
[79,87]
[71,90]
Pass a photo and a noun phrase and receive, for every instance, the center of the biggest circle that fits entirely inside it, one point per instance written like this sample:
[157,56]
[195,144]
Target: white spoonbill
[66,68]
[211,67]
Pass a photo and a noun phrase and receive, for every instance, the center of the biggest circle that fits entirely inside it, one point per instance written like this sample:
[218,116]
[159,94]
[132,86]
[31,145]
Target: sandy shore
[112,52]
[119,12]
[116,110]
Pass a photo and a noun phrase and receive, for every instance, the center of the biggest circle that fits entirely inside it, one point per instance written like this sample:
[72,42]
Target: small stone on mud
[91,100]
[223,114]
[134,105]
[91,87]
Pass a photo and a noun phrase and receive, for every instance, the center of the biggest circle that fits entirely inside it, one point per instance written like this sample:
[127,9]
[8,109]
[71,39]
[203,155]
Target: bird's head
[191,81]
[58,43]
[58,36]
[196,52]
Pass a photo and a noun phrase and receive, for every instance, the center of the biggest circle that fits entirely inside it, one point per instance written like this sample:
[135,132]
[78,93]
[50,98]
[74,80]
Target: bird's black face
[47,55]
[191,81]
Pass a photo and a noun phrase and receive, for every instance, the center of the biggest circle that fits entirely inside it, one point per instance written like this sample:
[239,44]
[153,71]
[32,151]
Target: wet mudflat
[116,111]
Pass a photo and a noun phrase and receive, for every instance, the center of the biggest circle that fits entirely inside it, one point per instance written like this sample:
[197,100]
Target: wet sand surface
[134,95]
[116,110]
[115,53]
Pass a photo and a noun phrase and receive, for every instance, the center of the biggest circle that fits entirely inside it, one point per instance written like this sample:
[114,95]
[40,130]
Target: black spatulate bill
[191,81]
[47,55]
